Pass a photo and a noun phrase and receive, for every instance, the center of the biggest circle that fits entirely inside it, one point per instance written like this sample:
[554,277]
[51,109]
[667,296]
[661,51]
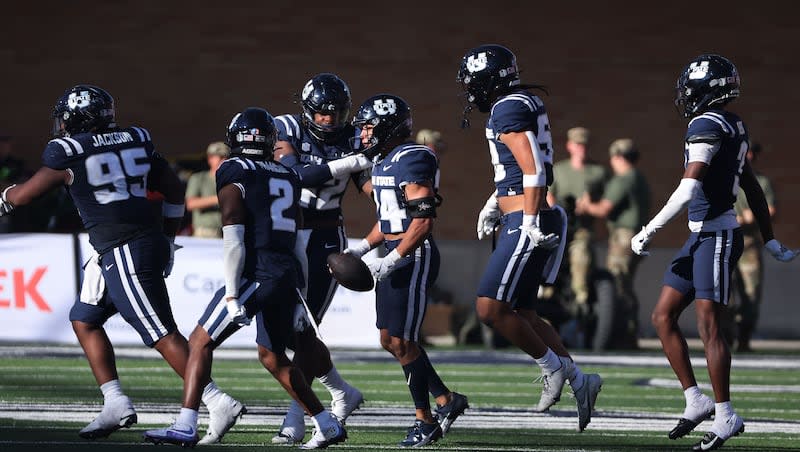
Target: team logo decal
[477,62]
[698,70]
[384,107]
[76,100]
[307,89]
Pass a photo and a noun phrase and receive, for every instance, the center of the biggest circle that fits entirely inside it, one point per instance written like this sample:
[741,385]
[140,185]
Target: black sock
[435,384]
[417,380]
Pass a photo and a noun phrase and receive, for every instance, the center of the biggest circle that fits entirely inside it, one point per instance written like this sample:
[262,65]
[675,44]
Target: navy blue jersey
[110,181]
[270,192]
[324,200]
[519,111]
[726,132]
[407,164]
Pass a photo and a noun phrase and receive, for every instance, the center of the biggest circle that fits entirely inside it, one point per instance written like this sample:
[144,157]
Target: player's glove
[359,250]
[381,267]
[488,218]
[172,248]
[640,241]
[237,312]
[530,227]
[349,164]
[780,252]
[5,206]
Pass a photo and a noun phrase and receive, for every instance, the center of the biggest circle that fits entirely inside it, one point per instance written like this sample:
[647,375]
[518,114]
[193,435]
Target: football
[351,272]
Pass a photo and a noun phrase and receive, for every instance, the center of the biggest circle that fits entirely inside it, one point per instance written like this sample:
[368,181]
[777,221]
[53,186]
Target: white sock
[691,394]
[722,410]
[549,362]
[334,383]
[574,373]
[211,393]
[322,420]
[188,417]
[111,390]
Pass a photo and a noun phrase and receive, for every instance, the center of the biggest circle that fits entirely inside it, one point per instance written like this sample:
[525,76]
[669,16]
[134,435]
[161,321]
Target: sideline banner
[37,287]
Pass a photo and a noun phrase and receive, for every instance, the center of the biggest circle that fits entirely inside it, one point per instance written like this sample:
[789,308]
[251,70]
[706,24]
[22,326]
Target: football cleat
[116,414]
[586,396]
[342,408]
[292,430]
[552,385]
[718,434]
[704,409]
[221,418]
[180,434]
[421,434]
[332,435]
[447,414]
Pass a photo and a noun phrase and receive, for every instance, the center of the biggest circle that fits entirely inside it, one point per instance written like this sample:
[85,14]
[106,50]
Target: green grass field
[45,400]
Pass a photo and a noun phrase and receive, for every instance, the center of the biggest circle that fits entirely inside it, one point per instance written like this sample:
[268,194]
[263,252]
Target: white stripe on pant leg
[424,288]
[148,305]
[717,253]
[121,270]
[504,284]
[726,270]
[221,306]
[334,284]
[414,292]
[521,268]
[301,253]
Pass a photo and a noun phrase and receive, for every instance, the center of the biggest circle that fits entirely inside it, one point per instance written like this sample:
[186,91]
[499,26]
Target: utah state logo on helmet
[707,81]
[252,133]
[81,109]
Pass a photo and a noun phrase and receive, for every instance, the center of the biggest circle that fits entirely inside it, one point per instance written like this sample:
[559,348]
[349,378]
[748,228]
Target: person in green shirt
[625,205]
[749,272]
[574,177]
[201,194]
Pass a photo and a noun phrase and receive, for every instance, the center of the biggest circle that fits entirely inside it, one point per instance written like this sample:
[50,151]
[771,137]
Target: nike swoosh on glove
[640,241]
[780,252]
[236,312]
[171,262]
[381,267]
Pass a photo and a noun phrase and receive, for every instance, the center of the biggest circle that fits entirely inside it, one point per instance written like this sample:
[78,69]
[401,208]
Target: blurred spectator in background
[749,272]
[201,194]
[625,204]
[574,177]
[432,139]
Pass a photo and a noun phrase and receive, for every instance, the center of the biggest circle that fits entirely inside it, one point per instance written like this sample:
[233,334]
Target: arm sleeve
[310,175]
[232,257]
[677,202]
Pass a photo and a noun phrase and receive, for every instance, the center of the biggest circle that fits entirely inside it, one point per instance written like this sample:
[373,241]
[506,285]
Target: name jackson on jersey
[107,139]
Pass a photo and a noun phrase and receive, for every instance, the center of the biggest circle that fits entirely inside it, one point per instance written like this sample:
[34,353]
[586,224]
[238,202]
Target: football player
[405,182]
[317,145]
[108,171]
[530,243]
[715,166]
[258,199]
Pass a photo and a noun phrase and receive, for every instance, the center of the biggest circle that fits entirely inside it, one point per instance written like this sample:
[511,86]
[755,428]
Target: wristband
[534,180]
[530,220]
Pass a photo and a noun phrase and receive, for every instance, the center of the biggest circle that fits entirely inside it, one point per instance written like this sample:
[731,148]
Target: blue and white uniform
[401,297]
[515,268]
[323,232]
[703,267]
[109,188]
[268,285]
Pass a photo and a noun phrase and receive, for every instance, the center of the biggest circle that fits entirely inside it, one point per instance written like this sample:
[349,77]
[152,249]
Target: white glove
[488,217]
[94,285]
[359,250]
[349,164]
[530,227]
[780,252]
[381,267]
[236,312]
[172,248]
[640,241]
[5,206]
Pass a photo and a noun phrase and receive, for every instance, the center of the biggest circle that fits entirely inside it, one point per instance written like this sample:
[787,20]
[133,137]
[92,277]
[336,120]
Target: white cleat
[342,408]
[334,434]
[586,396]
[552,385]
[292,431]
[221,418]
[117,414]
[720,432]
